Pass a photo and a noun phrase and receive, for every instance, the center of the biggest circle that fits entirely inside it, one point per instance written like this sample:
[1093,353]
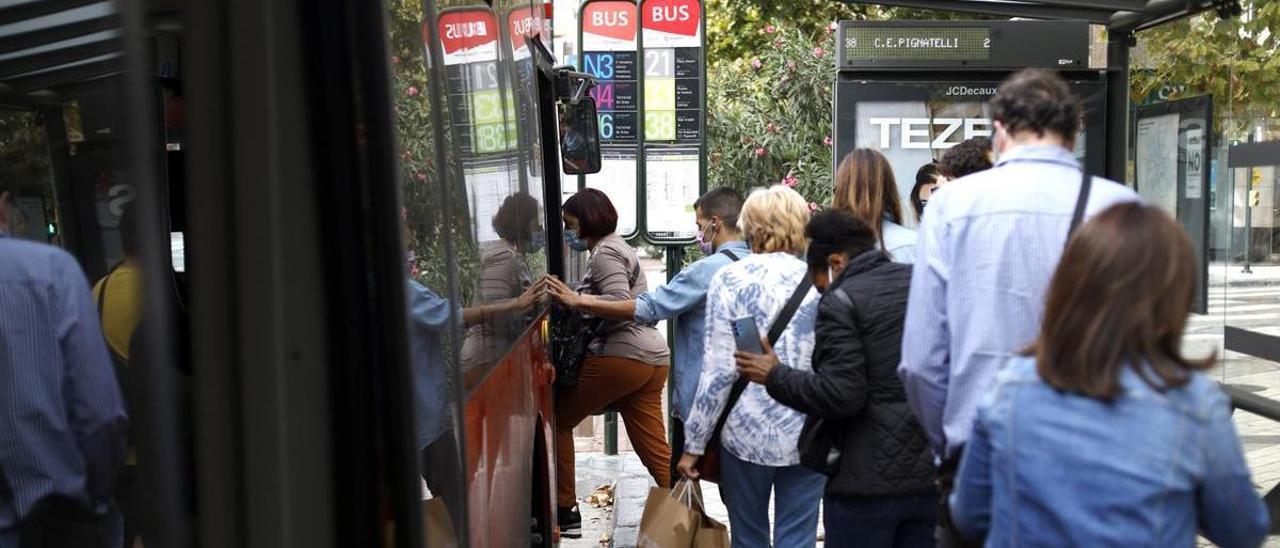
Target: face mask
[537,241]
[572,240]
[705,246]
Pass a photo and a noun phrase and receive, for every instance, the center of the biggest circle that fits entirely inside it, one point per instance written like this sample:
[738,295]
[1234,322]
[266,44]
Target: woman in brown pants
[625,368]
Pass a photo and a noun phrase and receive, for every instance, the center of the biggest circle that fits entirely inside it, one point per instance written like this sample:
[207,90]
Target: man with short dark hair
[966,158]
[63,437]
[683,298]
[986,252]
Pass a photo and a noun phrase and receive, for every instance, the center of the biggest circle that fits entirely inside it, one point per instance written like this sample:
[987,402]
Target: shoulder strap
[731,255]
[1082,202]
[635,272]
[775,332]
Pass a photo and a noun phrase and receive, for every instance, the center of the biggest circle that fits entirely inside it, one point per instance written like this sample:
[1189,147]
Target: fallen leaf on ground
[602,496]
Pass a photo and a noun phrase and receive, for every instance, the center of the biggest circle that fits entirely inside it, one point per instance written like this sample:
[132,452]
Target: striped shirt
[759,430]
[988,245]
[62,419]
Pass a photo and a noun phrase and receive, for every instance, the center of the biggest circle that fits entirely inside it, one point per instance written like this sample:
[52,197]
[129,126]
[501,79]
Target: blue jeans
[890,521]
[745,488]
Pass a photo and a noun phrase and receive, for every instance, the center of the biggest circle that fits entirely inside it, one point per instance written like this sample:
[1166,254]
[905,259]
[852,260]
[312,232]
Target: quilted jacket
[854,384]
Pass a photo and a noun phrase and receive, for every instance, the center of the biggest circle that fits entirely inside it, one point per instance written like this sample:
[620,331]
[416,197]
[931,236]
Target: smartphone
[746,335]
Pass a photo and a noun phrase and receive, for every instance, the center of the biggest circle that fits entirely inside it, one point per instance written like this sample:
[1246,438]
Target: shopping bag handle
[686,494]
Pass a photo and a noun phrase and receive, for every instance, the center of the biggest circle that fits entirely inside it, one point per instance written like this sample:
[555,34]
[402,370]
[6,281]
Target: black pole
[675,260]
[1118,44]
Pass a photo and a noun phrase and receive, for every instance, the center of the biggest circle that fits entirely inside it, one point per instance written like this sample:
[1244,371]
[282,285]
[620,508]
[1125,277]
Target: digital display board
[673,112]
[609,41]
[917,43]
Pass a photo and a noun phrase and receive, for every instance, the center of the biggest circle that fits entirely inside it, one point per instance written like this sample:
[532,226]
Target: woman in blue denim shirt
[1103,434]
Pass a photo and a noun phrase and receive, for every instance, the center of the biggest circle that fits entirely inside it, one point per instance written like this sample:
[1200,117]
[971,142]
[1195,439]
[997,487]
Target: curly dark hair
[513,222]
[836,231]
[966,158]
[1039,101]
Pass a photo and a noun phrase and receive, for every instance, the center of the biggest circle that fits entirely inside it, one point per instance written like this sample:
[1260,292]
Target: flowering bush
[769,117]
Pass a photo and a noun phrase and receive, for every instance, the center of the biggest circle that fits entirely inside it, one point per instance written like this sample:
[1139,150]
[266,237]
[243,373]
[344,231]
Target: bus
[338,209]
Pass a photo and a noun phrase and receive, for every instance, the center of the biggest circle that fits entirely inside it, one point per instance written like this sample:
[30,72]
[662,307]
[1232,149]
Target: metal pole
[1248,217]
[1117,129]
[675,259]
[611,433]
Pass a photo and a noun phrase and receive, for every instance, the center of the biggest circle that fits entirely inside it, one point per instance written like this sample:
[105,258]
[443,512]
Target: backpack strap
[731,255]
[775,332]
[1082,202]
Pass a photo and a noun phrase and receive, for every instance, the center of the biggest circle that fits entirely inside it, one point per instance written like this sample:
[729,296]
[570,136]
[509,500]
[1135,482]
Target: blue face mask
[572,240]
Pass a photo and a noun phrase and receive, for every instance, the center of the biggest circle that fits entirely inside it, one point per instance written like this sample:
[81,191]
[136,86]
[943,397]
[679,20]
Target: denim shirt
[430,316]
[685,297]
[988,245]
[1045,467]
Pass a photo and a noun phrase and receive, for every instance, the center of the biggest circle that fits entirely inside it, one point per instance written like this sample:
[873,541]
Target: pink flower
[833,26]
[771,128]
[790,181]
[826,140]
[411,92]
[395,59]
[761,152]
[770,29]
[420,177]
[756,64]
[791,65]
[814,207]
[818,51]
[406,156]
[777,42]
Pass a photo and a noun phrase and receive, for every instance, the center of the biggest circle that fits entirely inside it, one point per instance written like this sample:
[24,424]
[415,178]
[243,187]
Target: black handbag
[570,338]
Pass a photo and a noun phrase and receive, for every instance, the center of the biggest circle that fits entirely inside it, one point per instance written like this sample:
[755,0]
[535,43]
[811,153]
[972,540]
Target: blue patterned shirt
[988,245]
[62,418]
[686,296]
[759,430]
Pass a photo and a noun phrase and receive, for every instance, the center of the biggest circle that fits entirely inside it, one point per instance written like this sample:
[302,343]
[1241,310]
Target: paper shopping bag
[711,534]
[438,524]
[671,517]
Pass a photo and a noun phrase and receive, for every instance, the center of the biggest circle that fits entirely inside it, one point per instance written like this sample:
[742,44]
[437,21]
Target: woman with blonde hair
[758,435]
[866,188]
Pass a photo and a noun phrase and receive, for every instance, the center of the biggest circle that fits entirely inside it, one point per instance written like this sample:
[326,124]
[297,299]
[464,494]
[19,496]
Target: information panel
[608,38]
[481,112]
[1171,146]
[673,116]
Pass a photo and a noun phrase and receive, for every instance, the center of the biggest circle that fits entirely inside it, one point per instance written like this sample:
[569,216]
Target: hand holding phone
[746,335]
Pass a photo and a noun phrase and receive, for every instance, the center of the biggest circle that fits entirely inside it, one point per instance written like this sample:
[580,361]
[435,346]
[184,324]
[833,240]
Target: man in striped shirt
[62,418]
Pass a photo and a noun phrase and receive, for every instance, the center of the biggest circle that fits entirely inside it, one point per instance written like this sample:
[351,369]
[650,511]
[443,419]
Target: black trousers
[677,446]
[440,468]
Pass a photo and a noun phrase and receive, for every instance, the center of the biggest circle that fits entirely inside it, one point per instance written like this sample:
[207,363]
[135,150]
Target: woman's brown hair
[1119,298]
[866,188]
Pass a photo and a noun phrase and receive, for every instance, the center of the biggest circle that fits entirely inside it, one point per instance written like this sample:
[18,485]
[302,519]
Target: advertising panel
[608,35]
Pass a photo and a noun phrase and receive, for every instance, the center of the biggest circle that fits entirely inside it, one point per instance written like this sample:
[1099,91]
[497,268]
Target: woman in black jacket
[860,430]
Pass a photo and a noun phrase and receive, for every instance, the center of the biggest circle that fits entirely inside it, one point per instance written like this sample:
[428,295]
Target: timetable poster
[481,112]
[609,30]
[673,116]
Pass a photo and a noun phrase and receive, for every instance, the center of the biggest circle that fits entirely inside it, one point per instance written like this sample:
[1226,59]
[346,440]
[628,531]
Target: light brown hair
[866,188]
[1119,298]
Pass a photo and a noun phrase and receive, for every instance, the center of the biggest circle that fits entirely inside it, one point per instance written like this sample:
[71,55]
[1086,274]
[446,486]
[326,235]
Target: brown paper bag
[711,534]
[671,517]
[438,524]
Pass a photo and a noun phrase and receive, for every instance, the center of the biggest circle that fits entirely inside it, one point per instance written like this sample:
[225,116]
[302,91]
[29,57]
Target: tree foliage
[769,118]
[1236,61]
